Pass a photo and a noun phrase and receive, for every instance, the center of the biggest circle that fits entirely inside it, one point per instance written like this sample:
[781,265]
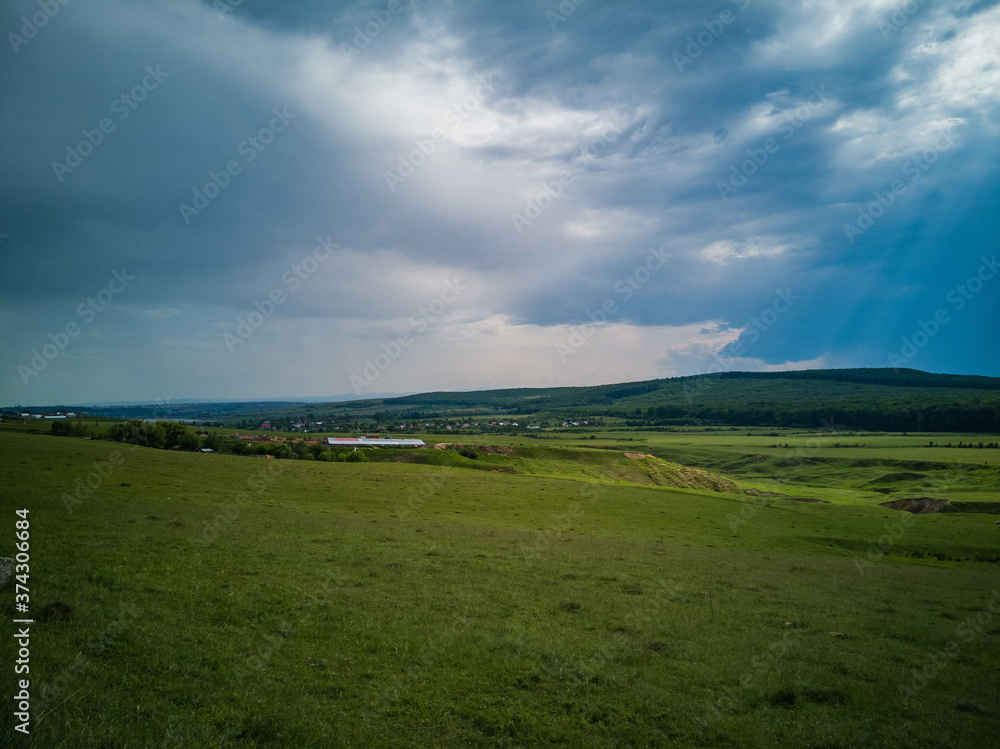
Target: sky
[257,199]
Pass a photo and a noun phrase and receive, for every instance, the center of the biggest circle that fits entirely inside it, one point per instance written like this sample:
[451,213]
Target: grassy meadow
[542,591]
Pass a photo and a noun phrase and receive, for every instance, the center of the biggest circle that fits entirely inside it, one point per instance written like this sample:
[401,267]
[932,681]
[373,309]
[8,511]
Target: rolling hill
[873,399]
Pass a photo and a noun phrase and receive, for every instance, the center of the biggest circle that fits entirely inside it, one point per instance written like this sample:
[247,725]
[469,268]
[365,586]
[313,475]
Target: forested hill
[890,377]
[882,399]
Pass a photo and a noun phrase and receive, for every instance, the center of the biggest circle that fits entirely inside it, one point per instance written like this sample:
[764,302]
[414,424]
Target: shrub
[69,429]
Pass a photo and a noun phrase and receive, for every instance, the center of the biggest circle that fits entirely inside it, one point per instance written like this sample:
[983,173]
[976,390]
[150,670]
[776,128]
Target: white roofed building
[372,442]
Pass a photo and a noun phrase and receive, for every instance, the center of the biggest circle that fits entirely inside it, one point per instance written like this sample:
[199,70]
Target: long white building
[372,442]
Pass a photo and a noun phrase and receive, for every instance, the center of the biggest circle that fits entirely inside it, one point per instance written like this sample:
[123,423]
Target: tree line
[877,418]
[171,435]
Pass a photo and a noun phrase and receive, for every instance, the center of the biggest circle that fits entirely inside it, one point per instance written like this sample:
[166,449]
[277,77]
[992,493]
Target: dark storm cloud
[538,151]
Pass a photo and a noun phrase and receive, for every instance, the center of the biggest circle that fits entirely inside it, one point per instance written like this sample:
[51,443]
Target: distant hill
[876,399]
[890,377]
[871,399]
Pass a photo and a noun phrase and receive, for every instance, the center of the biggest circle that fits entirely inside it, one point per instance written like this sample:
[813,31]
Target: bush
[136,432]
[69,429]
[188,441]
[162,434]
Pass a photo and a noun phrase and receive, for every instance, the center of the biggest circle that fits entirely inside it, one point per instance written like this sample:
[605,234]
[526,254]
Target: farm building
[372,441]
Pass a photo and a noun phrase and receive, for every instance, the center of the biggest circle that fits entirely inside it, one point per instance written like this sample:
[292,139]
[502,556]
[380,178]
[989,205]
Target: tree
[136,432]
[69,429]
[173,431]
[188,441]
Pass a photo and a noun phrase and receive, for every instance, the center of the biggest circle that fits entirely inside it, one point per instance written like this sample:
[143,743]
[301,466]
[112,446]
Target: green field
[556,593]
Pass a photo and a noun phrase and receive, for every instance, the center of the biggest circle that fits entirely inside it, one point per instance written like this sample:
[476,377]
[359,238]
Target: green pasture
[542,596]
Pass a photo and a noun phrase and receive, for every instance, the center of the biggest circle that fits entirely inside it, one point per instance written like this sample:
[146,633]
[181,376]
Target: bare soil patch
[917,505]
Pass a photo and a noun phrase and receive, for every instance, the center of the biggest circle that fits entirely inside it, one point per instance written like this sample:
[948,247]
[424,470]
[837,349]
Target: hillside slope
[873,399]
[600,466]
